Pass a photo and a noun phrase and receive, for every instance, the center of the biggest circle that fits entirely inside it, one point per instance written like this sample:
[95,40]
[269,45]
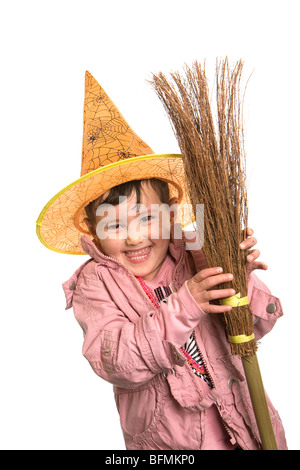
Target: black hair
[126,189]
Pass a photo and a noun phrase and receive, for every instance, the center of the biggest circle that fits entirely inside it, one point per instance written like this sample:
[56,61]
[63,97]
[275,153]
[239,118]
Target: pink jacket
[135,347]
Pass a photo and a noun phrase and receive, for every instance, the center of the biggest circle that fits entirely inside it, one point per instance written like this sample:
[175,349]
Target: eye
[147,218]
[114,227]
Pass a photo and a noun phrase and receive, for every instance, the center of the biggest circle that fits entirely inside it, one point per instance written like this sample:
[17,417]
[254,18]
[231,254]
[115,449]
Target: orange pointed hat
[112,154]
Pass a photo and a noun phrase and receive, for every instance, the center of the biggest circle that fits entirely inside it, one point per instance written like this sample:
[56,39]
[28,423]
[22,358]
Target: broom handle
[259,402]
[257,391]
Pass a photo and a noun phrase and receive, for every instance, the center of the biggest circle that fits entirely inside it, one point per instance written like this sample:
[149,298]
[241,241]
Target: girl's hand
[201,287]
[251,263]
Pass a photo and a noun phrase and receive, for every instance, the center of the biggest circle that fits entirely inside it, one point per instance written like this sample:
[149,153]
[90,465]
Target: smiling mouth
[138,254]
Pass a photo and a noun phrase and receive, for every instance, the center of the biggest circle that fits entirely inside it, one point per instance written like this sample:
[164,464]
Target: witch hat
[112,154]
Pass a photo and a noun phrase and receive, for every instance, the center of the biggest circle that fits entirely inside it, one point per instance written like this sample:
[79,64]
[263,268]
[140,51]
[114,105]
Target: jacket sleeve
[266,307]
[126,353]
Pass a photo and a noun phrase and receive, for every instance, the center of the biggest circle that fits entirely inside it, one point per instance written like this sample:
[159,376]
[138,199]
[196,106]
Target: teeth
[137,252]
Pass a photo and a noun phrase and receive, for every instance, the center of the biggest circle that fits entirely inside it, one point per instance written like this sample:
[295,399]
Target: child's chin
[141,271]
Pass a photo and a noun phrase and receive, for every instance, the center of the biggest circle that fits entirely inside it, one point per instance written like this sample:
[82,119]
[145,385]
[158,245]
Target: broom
[214,163]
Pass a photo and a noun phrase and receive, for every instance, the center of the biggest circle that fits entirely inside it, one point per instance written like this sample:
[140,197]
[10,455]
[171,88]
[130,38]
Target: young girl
[144,299]
[143,303]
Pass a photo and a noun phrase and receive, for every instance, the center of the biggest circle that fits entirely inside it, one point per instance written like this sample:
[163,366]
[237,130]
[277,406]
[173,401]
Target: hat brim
[61,221]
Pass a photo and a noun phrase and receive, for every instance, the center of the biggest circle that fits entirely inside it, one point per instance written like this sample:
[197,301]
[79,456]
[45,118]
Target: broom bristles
[214,162]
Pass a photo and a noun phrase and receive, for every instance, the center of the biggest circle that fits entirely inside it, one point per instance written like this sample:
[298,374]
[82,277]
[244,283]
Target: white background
[50,398]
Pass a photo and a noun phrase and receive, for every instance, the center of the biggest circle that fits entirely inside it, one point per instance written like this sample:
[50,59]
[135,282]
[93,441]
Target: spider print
[93,135]
[124,155]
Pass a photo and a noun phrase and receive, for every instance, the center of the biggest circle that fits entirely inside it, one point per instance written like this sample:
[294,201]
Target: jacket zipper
[118,263]
[232,438]
[178,264]
[172,285]
[204,362]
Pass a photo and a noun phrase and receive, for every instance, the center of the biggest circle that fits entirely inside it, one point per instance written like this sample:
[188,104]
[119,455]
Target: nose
[134,238]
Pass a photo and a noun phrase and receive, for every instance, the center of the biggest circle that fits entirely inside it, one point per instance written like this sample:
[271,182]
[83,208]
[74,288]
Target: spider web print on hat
[107,138]
[112,154]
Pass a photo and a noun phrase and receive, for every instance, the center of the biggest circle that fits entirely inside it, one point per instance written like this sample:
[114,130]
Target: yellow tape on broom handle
[237,301]
[240,338]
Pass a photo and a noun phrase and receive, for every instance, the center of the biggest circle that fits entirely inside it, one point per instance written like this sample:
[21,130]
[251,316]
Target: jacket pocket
[139,409]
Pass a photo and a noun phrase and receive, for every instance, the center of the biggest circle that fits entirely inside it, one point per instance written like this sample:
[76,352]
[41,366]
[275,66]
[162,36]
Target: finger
[205,273]
[218,294]
[247,233]
[214,281]
[253,255]
[248,243]
[257,265]
[210,308]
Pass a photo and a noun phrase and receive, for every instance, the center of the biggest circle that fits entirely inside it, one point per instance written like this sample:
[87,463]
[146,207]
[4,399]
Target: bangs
[127,189]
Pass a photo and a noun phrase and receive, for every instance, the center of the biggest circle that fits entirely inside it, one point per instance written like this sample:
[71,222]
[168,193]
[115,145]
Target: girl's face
[137,236]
